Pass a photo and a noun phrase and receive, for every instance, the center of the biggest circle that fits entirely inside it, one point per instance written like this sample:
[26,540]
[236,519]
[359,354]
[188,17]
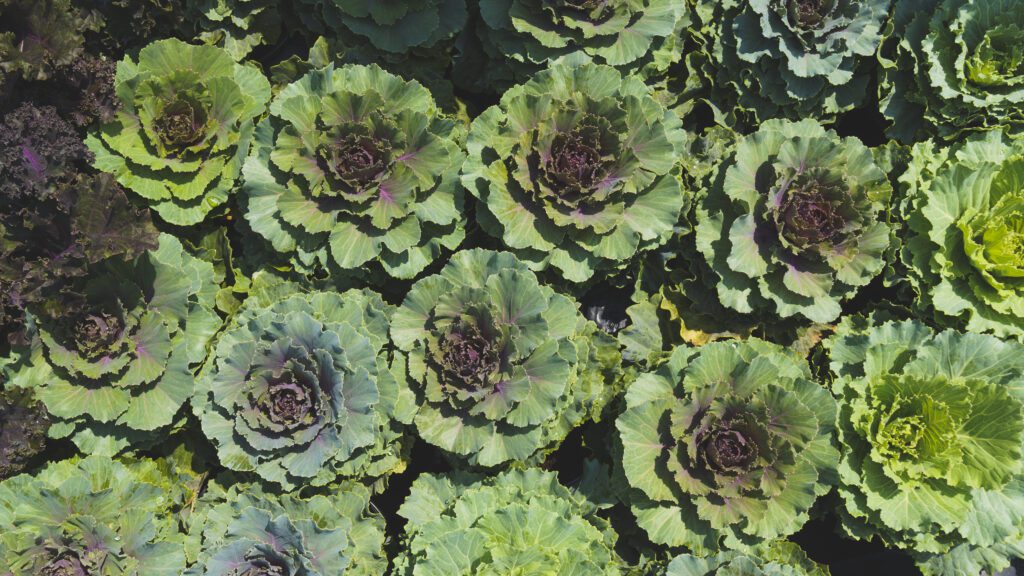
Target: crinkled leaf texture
[932,429]
[763,59]
[23,426]
[964,208]
[355,166]
[727,446]
[577,170]
[518,522]
[776,559]
[302,389]
[185,125]
[952,66]
[795,222]
[113,356]
[241,530]
[39,37]
[92,516]
[503,367]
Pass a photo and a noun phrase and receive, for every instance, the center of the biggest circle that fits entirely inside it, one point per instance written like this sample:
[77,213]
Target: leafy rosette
[38,37]
[950,66]
[932,427]
[112,355]
[239,26]
[531,33]
[726,446]
[92,516]
[518,522]
[791,59]
[965,212]
[577,170]
[23,425]
[396,26]
[356,166]
[185,125]
[242,531]
[503,367]
[795,222]
[301,389]
[776,559]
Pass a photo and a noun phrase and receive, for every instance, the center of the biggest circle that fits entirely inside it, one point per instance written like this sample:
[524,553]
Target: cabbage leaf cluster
[726,446]
[932,429]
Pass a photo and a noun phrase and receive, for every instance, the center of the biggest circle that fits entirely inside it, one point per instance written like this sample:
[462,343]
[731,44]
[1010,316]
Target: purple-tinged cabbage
[503,367]
[795,222]
[23,425]
[94,516]
[727,446]
[302,389]
[38,37]
[112,354]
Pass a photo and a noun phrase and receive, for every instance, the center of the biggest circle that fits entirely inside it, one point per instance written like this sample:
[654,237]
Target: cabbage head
[394,26]
[727,446]
[795,222]
[577,170]
[356,166]
[780,558]
[300,389]
[963,253]
[92,516]
[953,66]
[518,522]
[186,121]
[112,355]
[503,367]
[244,531]
[932,430]
[763,59]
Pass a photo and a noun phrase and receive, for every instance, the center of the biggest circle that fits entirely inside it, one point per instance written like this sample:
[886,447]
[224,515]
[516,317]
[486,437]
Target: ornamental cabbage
[38,37]
[932,429]
[92,516]
[525,35]
[950,66]
[112,355]
[577,170]
[776,559]
[184,128]
[355,165]
[503,367]
[300,389]
[764,59]
[726,446]
[795,222]
[396,26]
[516,523]
[964,210]
[239,26]
[243,531]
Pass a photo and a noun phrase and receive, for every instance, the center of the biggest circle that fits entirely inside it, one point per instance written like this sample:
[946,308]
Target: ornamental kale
[965,212]
[112,354]
[38,37]
[301,389]
[766,59]
[355,165]
[503,367]
[524,35]
[795,222]
[92,516]
[951,66]
[932,427]
[184,127]
[516,523]
[243,531]
[727,446]
[395,26]
[577,170]
[23,425]
[780,558]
